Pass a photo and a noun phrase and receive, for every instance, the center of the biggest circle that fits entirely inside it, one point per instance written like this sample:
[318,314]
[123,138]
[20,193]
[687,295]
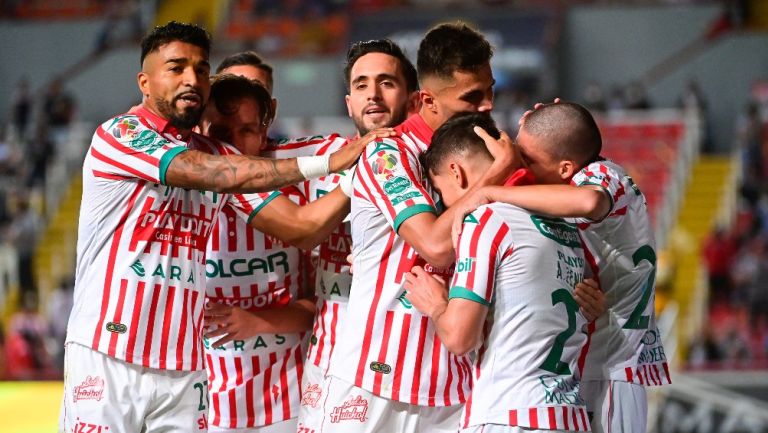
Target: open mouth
[376,111]
[190,99]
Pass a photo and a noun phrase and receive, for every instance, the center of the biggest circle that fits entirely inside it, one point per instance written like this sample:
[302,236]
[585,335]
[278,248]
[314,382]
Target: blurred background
[679,87]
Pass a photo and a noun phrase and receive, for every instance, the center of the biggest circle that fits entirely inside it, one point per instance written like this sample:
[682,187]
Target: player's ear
[428,100]
[566,169]
[143,80]
[349,109]
[458,175]
[274,110]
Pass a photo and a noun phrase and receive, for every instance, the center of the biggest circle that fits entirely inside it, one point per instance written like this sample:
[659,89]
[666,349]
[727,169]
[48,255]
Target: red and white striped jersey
[333,279]
[524,268]
[386,346]
[140,279]
[254,271]
[624,343]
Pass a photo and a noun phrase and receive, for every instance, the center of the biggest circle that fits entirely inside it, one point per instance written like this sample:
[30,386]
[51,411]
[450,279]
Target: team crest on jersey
[353,409]
[380,367]
[125,129]
[92,388]
[384,165]
[311,396]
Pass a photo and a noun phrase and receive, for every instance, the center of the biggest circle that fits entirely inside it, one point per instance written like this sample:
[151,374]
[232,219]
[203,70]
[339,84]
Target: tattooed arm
[231,173]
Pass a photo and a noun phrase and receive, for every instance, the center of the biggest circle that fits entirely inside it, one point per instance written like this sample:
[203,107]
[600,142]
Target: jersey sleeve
[304,146]
[126,148]
[483,243]
[599,174]
[248,205]
[389,176]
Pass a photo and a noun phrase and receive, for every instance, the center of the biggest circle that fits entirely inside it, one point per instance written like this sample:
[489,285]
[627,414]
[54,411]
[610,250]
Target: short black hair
[384,46]
[451,47]
[457,136]
[175,31]
[567,130]
[246,58]
[228,90]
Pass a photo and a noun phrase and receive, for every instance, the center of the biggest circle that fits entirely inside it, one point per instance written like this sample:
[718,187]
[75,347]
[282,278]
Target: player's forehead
[179,52]
[250,72]
[372,65]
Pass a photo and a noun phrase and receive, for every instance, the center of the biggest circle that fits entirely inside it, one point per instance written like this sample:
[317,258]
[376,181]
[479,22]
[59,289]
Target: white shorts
[349,409]
[104,394]
[287,426]
[314,389]
[500,428]
[615,407]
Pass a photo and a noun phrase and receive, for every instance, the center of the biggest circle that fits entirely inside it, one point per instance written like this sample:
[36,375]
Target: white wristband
[314,166]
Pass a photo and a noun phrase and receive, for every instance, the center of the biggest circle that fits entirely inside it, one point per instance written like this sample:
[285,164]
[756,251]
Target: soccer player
[382,88]
[511,295]
[388,371]
[624,353]
[152,190]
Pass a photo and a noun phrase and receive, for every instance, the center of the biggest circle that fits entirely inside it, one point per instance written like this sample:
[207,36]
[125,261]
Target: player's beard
[397,117]
[183,119]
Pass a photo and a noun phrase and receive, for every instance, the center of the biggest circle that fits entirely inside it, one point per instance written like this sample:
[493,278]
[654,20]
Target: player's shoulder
[309,141]
[599,171]
[211,145]
[131,130]
[385,145]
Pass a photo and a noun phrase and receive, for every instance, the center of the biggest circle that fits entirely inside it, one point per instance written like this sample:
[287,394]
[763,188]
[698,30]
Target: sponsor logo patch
[138,268]
[117,328]
[311,395]
[353,409]
[403,300]
[92,388]
[86,427]
[396,185]
[383,166]
[380,367]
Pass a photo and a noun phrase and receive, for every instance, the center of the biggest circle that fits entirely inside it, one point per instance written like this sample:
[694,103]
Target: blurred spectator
[635,97]
[57,311]
[750,130]
[38,153]
[58,111]
[593,97]
[22,108]
[26,355]
[615,99]
[115,13]
[23,233]
[719,250]
[693,100]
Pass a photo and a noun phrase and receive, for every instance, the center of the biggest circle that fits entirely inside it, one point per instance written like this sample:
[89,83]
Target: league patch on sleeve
[125,129]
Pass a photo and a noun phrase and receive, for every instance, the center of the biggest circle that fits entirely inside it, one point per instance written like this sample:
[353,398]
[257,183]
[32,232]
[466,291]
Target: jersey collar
[161,124]
[418,127]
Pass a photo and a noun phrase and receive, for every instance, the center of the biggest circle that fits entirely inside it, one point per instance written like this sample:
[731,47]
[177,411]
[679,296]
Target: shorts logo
[380,367]
[116,328]
[84,427]
[311,396]
[92,388]
[353,409]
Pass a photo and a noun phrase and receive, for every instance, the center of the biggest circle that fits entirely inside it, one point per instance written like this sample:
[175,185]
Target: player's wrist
[312,167]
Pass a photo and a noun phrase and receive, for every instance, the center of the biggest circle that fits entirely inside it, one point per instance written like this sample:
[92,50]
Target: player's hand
[233,323]
[427,293]
[590,298]
[506,156]
[346,157]
[464,207]
[535,107]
